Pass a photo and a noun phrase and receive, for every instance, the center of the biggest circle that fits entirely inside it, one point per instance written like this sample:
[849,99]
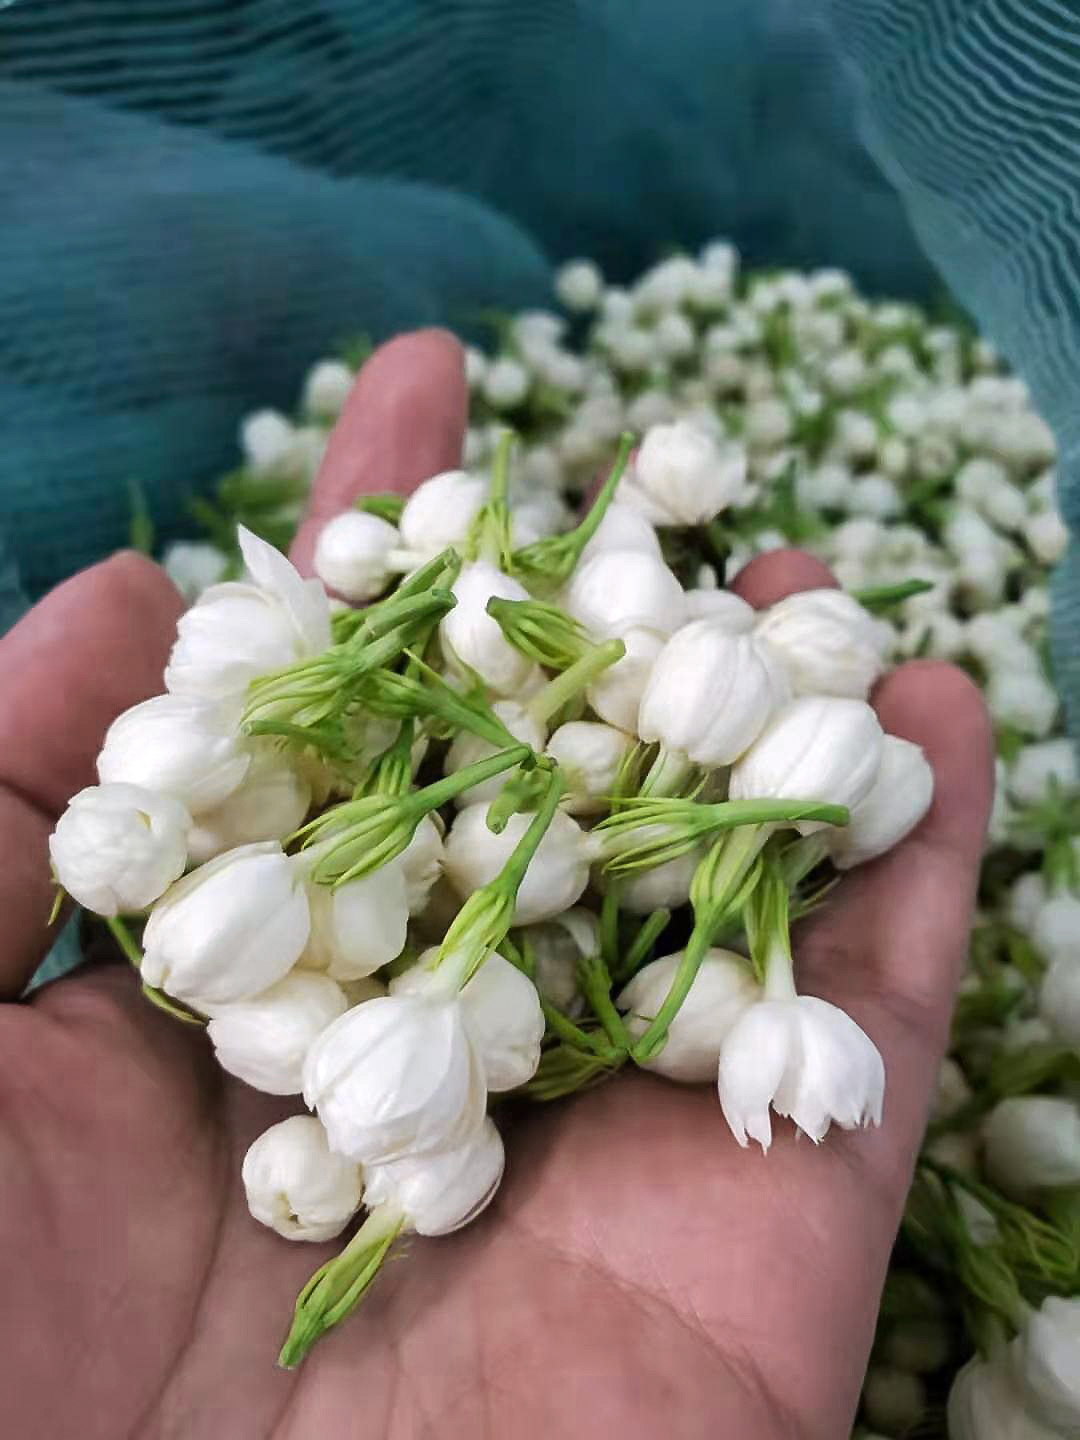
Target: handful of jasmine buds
[544,807]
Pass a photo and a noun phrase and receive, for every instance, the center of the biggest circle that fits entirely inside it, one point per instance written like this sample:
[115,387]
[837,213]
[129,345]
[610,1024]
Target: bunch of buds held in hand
[537,812]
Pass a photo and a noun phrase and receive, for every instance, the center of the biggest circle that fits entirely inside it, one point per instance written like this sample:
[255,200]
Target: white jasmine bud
[806,1059]
[118,847]
[874,495]
[270,803]
[421,863]
[767,423]
[1046,536]
[817,748]
[622,528]
[616,692]
[327,388]
[1026,898]
[589,754]
[240,630]
[985,484]
[1037,767]
[440,511]
[723,987]
[711,693]
[557,874]
[855,435]
[827,642]
[230,929]
[1059,997]
[506,384]
[893,1400]
[893,457]
[674,336]
[557,947]
[898,799]
[621,590]
[667,285]
[176,745]
[440,1192]
[502,1015]
[263,1041]
[266,438]
[952,1092]
[919,1346]
[579,285]
[296,1185]
[467,748]
[396,1077]
[651,407]
[193,566]
[471,637]
[682,476]
[1046,1358]
[1023,699]
[985,1403]
[1032,1142]
[723,608]
[666,885]
[360,926]
[352,555]
[1057,926]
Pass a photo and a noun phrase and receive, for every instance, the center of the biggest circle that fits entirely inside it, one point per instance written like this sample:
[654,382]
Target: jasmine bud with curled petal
[589,754]
[827,642]
[296,1185]
[620,590]
[898,799]
[470,637]
[119,847]
[682,476]
[440,1192]
[179,745]
[264,1040]
[353,555]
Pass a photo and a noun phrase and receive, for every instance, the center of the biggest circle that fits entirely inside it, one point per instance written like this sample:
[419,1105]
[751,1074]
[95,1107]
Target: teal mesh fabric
[199,198]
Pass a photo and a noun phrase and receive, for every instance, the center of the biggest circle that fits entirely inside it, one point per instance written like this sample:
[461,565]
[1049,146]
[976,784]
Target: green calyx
[548,563]
[386,505]
[421,692]
[490,532]
[541,631]
[337,1288]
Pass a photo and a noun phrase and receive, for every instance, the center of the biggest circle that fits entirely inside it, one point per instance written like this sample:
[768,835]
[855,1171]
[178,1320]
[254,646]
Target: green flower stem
[521,792]
[442,570]
[687,823]
[567,686]
[667,774]
[513,872]
[432,605]
[885,597]
[652,1041]
[609,923]
[393,694]
[124,938]
[595,981]
[336,1288]
[126,941]
[638,952]
[489,534]
[804,855]
[565,1070]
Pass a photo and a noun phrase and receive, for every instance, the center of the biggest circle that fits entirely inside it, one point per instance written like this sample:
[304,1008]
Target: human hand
[637,1274]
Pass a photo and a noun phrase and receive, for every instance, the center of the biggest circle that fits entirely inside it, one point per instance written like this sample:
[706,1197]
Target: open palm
[638,1273]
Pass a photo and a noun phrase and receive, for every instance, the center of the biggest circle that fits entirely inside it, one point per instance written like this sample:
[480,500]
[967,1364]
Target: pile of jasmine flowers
[441,841]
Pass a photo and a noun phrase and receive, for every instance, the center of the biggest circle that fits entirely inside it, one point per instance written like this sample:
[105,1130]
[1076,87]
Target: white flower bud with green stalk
[422,863]
[898,799]
[1040,766]
[178,745]
[119,847]
[722,607]
[682,476]
[467,748]
[194,566]
[263,1041]
[986,1403]
[709,697]
[893,1400]
[556,948]
[829,644]
[556,878]
[590,755]
[440,512]
[1059,999]
[1056,930]
[502,1014]
[230,929]
[615,695]
[242,629]
[472,640]
[722,988]
[1046,1360]
[354,555]
[358,927]
[621,590]
[1032,1143]
[667,884]
[270,803]
[296,1185]
[622,528]
[796,1054]
[431,1194]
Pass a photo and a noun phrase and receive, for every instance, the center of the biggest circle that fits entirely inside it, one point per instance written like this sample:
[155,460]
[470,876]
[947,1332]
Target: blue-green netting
[197,199]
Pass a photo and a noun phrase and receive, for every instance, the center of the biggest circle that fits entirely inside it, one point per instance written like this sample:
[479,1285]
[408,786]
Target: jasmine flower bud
[467,748]
[360,926]
[118,847]
[674,336]
[622,528]
[723,608]
[1059,997]
[1032,1142]
[767,423]
[681,476]
[440,1192]
[897,801]
[621,590]
[1026,898]
[421,863]
[1037,767]
[874,495]
[722,989]
[1045,1357]
[193,567]
[893,1400]
[296,1185]
[664,886]
[264,1040]
[1057,927]
[589,754]
[557,947]
[270,803]
[667,285]
[556,876]
[353,555]
[711,693]
[240,630]
[506,384]
[439,512]
[952,1092]
[986,1403]
[616,693]
[472,638]
[229,929]
[327,388]
[502,1015]
[266,438]
[827,642]
[396,1077]
[177,745]
[651,407]
[985,485]
[1046,536]
[1023,699]
[579,285]
[817,748]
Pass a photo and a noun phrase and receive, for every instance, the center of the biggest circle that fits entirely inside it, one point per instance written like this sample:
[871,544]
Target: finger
[769,578]
[95,645]
[404,421]
[892,948]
